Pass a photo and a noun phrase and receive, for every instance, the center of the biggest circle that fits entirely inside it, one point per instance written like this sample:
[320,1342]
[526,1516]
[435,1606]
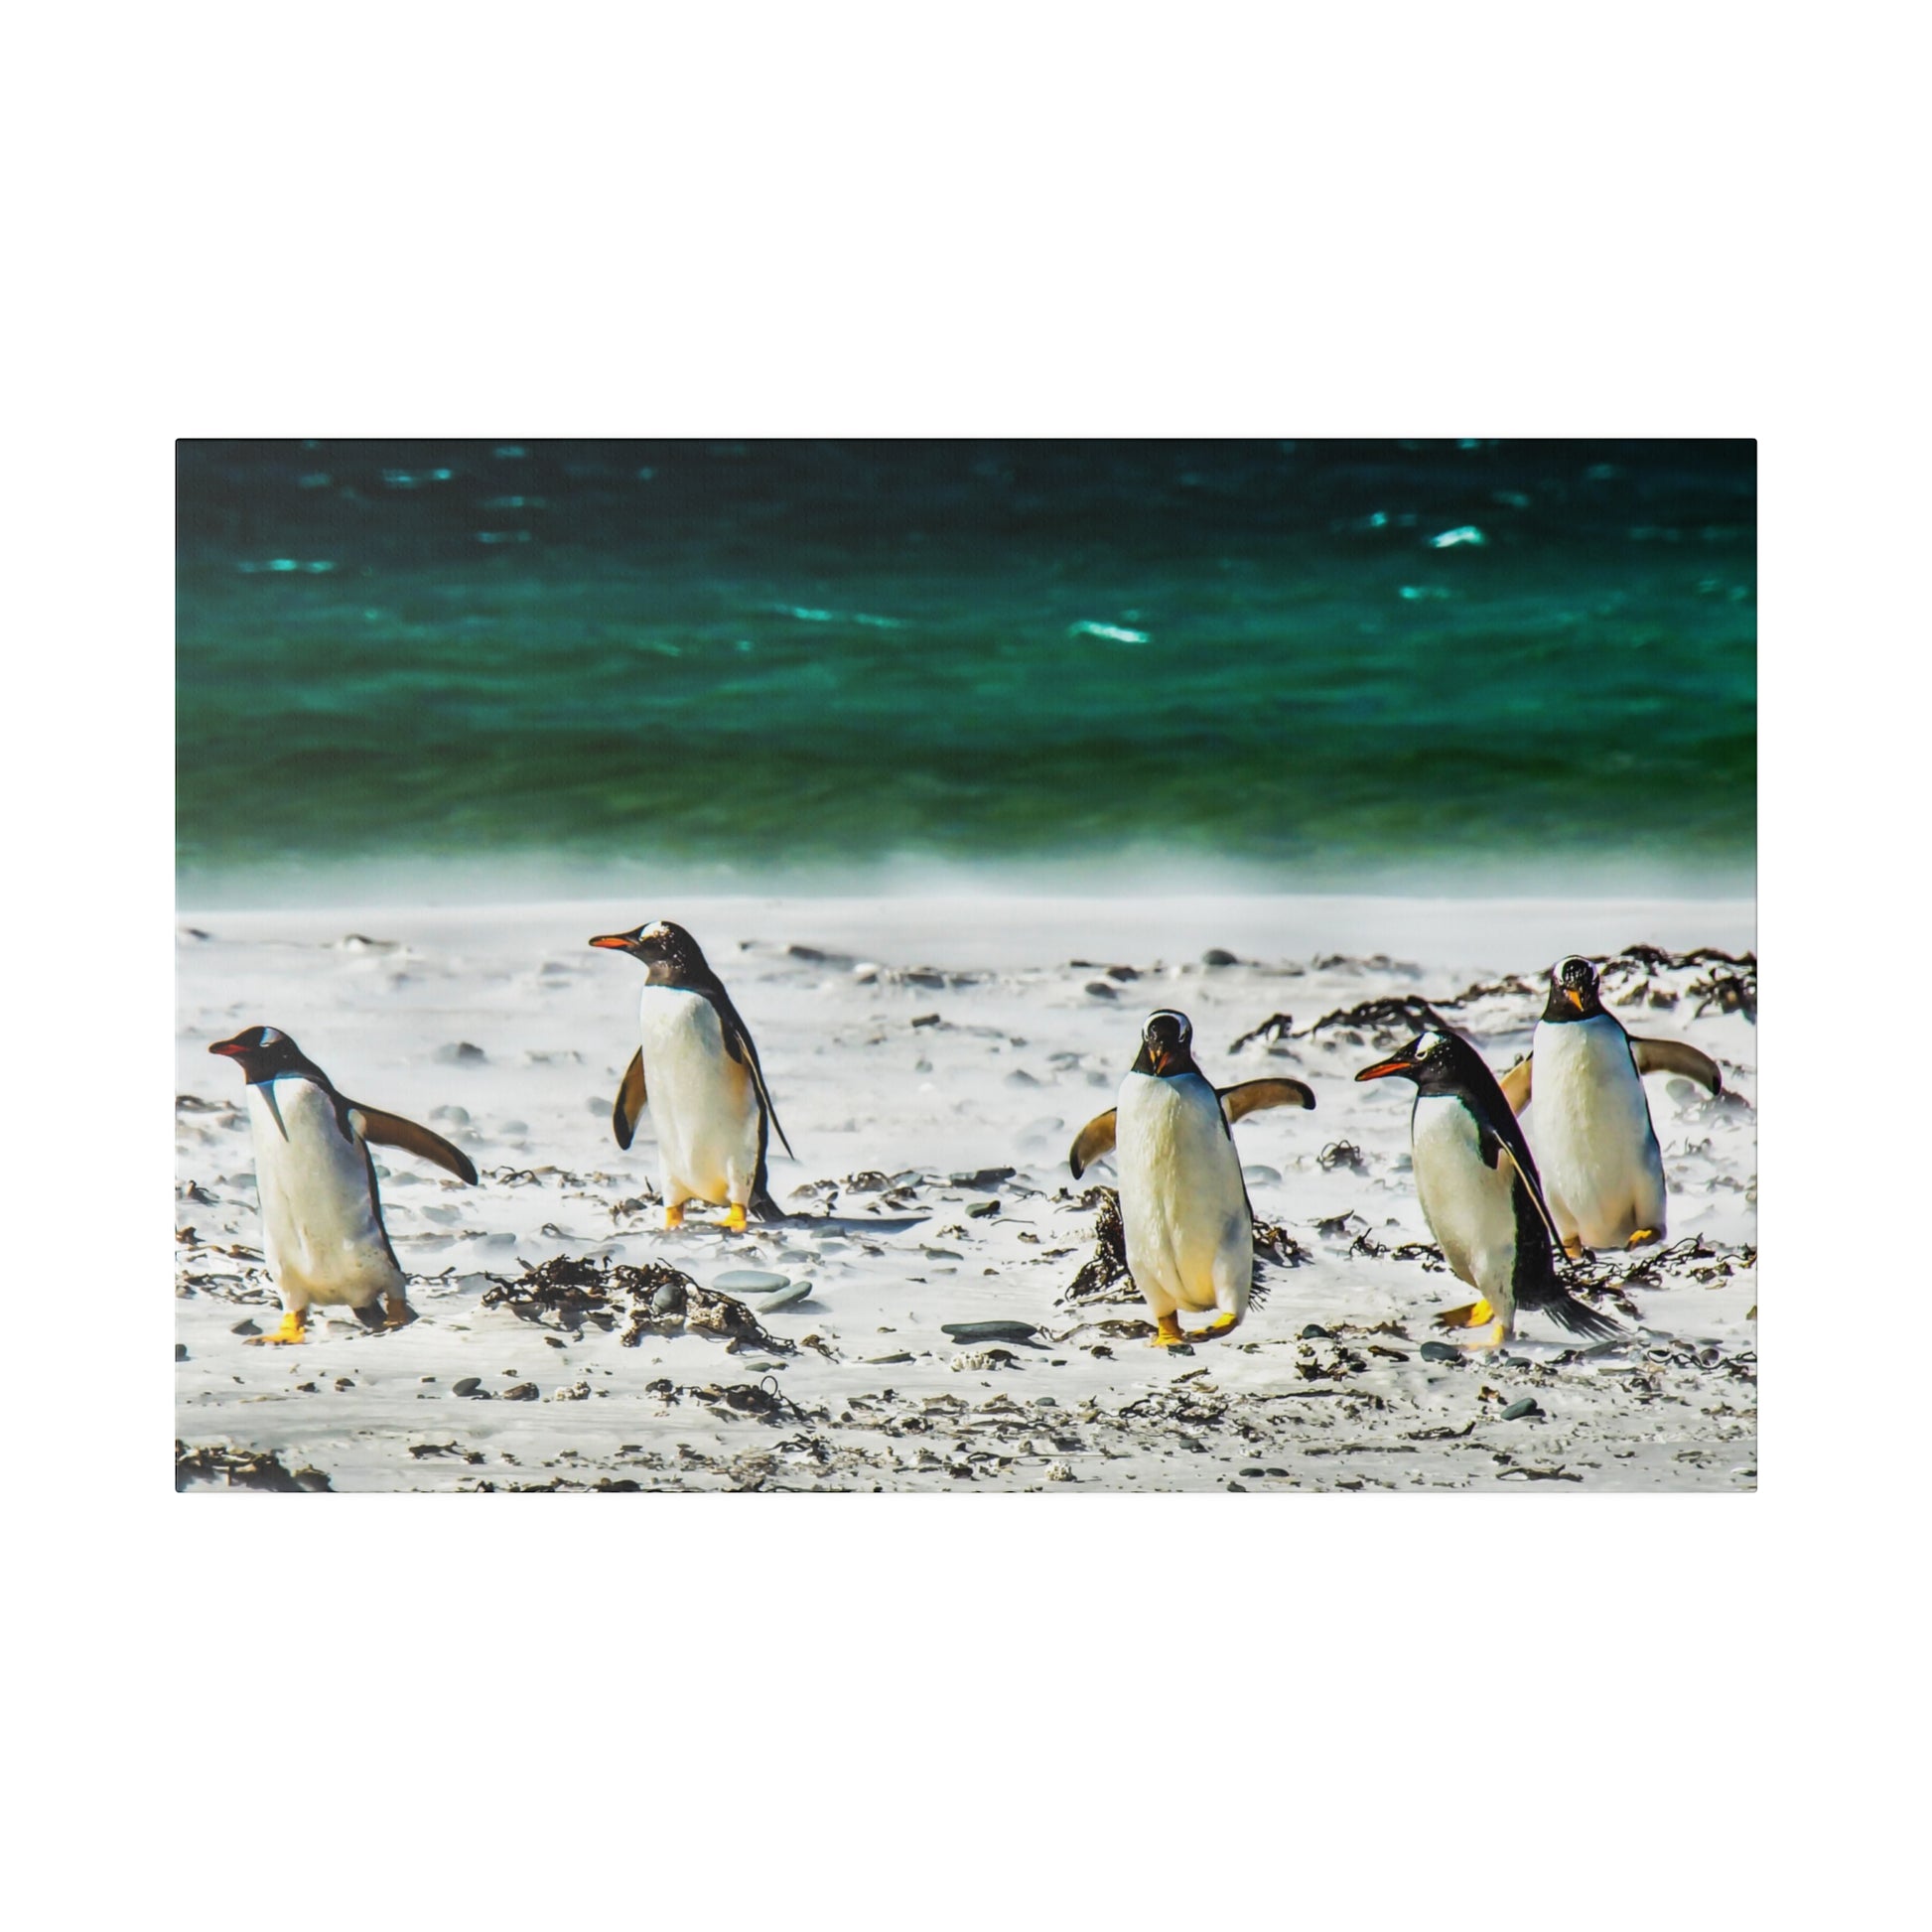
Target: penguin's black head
[1436,1061]
[1166,1043]
[668,954]
[1574,991]
[263,1053]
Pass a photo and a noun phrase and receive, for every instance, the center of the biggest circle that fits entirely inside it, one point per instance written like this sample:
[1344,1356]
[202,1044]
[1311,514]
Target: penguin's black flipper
[1095,1139]
[738,1043]
[391,1130]
[1678,1056]
[1252,1095]
[628,1108]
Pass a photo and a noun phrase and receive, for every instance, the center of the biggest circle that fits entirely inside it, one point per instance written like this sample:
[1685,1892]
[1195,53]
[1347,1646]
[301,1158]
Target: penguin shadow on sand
[323,1237]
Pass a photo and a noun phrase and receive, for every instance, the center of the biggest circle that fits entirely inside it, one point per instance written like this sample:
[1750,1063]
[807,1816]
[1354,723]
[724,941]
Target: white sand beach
[916,1048]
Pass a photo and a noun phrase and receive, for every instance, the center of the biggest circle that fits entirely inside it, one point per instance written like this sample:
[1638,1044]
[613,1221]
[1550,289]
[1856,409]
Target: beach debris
[461,1053]
[1341,1154]
[1383,1017]
[236,1468]
[520,1392]
[982,1210]
[987,1359]
[1276,1028]
[982,1179]
[576,1289]
[1103,1275]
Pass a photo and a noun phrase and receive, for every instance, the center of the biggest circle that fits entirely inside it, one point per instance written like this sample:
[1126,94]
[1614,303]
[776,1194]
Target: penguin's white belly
[321,1226]
[1589,1127]
[1182,1209]
[1471,1208]
[703,1105]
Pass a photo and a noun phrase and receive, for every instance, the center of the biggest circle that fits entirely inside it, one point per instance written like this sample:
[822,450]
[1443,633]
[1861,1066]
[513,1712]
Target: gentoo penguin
[1184,1206]
[1602,1170]
[708,1098]
[1479,1190]
[321,1215]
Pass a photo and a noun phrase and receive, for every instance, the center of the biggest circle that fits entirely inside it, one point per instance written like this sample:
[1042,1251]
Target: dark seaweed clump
[655,1299]
[233,1469]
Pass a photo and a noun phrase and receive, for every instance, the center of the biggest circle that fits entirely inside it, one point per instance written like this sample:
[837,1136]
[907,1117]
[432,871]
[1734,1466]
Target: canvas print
[966,966]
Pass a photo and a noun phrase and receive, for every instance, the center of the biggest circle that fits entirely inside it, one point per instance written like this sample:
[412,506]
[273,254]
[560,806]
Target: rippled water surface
[1335,663]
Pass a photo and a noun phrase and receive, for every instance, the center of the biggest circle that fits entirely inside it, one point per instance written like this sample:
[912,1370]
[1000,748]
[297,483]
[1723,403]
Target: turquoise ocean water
[1335,666]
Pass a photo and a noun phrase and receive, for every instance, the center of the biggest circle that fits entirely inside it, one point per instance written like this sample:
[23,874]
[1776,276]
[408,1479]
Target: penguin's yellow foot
[1493,1336]
[674,1216]
[1472,1314]
[735,1216]
[1166,1333]
[396,1313]
[1222,1323]
[1644,1237]
[1573,1246]
[293,1328]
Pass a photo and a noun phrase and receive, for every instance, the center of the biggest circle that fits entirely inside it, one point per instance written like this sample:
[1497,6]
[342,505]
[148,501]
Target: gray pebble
[879,1361]
[462,1052]
[747,1280]
[181,1351]
[1518,1410]
[520,1391]
[1259,1171]
[467,1386]
[989,1331]
[245,1327]
[460,1116]
[1100,990]
[668,1298]
[1440,1351]
[1315,1332]
[785,1296]
[1218,956]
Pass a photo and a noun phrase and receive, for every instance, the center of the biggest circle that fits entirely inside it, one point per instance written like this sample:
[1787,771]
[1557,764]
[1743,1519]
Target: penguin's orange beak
[1383,1069]
[612,941]
[1576,998]
[229,1048]
[1161,1056]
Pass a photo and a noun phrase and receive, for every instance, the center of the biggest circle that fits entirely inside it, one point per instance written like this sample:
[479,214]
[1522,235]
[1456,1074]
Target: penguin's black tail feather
[762,1207]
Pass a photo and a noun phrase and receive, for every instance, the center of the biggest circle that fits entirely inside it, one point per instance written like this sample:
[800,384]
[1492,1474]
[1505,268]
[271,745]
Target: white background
[1079,220]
